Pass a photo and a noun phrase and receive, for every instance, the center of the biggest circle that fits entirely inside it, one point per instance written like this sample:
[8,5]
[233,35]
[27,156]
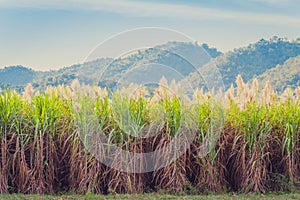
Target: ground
[155,196]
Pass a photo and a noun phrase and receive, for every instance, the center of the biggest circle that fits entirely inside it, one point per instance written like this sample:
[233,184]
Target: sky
[50,34]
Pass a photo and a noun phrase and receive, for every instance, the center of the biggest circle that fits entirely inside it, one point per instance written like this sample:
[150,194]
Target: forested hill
[283,76]
[253,60]
[264,59]
[172,54]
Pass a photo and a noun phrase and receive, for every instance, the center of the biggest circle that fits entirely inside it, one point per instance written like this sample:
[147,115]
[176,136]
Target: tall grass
[48,140]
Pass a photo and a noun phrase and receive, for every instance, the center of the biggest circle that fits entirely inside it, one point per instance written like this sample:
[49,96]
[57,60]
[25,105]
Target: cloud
[273,2]
[154,9]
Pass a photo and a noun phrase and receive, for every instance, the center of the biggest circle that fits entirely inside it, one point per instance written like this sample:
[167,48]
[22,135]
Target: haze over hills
[264,59]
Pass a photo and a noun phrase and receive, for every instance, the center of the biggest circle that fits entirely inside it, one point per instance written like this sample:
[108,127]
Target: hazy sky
[49,34]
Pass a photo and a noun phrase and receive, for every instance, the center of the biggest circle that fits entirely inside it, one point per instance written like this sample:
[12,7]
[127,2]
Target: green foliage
[44,138]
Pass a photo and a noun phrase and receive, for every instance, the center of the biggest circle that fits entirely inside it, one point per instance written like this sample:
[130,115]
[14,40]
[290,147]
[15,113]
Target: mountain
[283,76]
[250,61]
[16,77]
[87,72]
[11,75]
[174,60]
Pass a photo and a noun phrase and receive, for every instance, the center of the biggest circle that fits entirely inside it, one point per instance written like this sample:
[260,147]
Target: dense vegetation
[42,150]
[151,196]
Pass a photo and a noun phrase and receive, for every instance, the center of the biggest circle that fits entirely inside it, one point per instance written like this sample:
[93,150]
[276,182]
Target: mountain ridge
[185,58]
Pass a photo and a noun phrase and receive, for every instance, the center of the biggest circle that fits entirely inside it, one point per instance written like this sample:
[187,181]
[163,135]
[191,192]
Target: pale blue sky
[48,34]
